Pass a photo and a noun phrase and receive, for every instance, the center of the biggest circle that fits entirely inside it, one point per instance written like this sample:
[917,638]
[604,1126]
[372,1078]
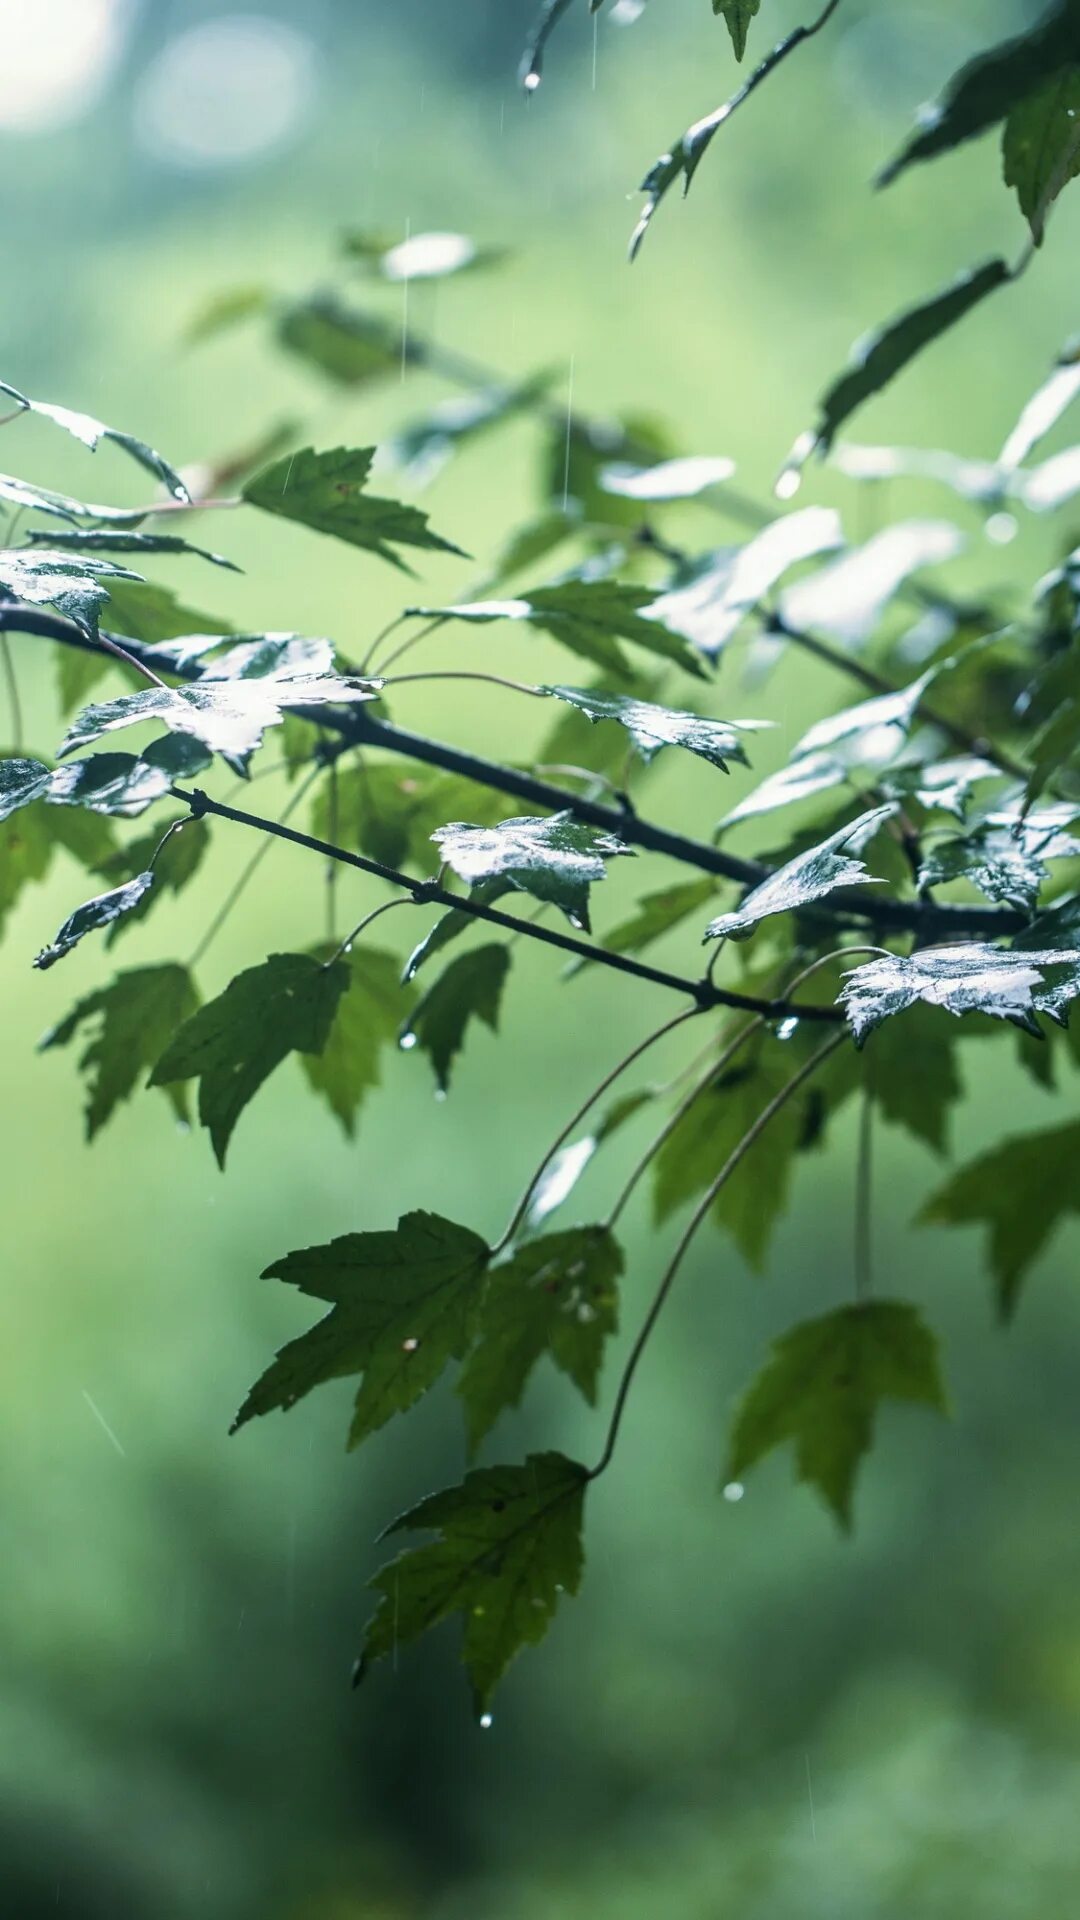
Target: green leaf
[821,1389]
[21,781]
[96,540]
[471,988]
[325,491]
[652,728]
[92,432]
[912,1074]
[509,1544]
[556,859]
[880,357]
[349,347]
[390,812]
[30,837]
[1043,410]
[94,914]
[857,741]
[421,256]
[992,85]
[20,493]
[227,716]
[969,979]
[589,617]
[1019,1191]
[131,1022]
[1042,147]
[402,1306]
[710,599]
[225,310]
[286,1005]
[810,876]
[368,1018]
[558,1296]
[141,610]
[738,15]
[69,582]
[657,913]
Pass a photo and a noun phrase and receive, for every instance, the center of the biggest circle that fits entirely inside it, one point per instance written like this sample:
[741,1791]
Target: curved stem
[492,680]
[414,640]
[674,1119]
[700,1213]
[572,1125]
[383,634]
[406,900]
[864,1199]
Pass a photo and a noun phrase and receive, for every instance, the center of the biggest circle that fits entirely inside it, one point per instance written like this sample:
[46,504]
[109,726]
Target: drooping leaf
[913,1076]
[857,741]
[810,876]
[61,506]
[368,1018]
[225,310]
[967,979]
[877,359]
[1042,146]
[590,617]
[98,540]
[847,599]
[403,1304]
[509,1544]
[1020,1191]
[92,432]
[709,605]
[992,85]
[566,1167]
[651,727]
[738,15]
[227,716]
[286,1005]
[130,1023]
[821,1390]
[556,859]
[21,782]
[471,988]
[424,256]
[326,491]
[94,914]
[559,1296]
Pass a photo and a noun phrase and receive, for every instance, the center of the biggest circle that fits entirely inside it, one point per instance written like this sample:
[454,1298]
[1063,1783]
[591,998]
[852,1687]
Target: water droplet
[788,1028]
[407,1041]
[788,484]
[1002,529]
[487,1720]
[733,1492]
[409,1346]
[440,1093]
[532,81]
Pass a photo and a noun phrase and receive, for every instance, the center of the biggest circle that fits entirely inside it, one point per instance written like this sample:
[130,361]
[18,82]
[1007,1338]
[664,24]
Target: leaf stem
[699,1215]
[14,702]
[240,886]
[669,1026]
[492,679]
[864,1199]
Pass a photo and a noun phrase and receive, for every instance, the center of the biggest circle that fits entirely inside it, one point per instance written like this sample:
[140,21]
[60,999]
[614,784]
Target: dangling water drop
[733,1492]
[408,1041]
[487,1720]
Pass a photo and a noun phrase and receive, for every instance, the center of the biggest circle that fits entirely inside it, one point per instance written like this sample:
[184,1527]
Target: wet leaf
[590,617]
[403,1304]
[286,1005]
[556,859]
[1042,146]
[128,1025]
[76,585]
[325,491]
[821,1390]
[738,15]
[1005,859]
[227,716]
[92,432]
[968,979]
[651,727]
[709,605]
[846,600]
[177,860]
[93,915]
[810,876]
[351,348]
[96,540]
[509,1544]
[555,1296]
[681,479]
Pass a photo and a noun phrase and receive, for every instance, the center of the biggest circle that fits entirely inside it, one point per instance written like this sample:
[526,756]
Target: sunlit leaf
[847,599]
[651,727]
[680,479]
[227,716]
[711,602]
[968,979]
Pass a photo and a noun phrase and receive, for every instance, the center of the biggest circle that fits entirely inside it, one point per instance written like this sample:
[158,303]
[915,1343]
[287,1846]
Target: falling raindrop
[788,1028]
[1002,529]
[733,1492]
[532,81]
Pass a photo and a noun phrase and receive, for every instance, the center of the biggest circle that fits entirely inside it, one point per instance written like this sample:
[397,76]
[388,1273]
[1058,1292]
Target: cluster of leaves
[933,819]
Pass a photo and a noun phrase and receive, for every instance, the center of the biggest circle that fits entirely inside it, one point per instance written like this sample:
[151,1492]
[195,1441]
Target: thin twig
[14,702]
[490,679]
[700,1213]
[241,884]
[572,1125]
[864,1198]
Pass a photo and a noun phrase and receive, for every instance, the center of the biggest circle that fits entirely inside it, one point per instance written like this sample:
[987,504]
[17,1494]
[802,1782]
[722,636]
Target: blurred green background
[744,1715]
